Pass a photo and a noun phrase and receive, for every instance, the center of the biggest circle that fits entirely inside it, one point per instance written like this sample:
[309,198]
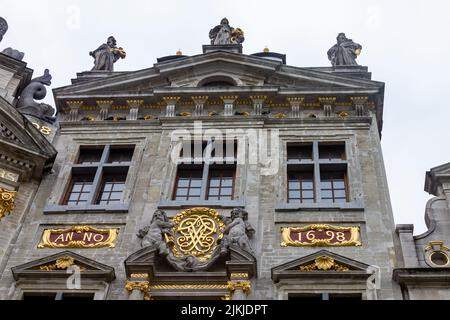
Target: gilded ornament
[196,233]
[108,242]
[286,239]
[7,204]
[62,264]
[324,263]
[245,286]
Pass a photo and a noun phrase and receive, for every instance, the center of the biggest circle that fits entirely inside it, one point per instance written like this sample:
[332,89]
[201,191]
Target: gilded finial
[179,53]
[266,49]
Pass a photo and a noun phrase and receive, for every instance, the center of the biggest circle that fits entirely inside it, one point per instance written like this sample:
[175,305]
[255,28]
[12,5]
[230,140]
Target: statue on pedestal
[345,52]
[225,34]
[106,55]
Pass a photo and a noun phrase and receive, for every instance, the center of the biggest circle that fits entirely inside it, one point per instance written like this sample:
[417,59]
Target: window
[89,155]
[324,296]
[221,183]
[335,151]
[112,188]
[99,176]
[300,152]
[47,296]
[301,186]
[333,186]
[317,172]
[206,171]
[80,188]
[189,184]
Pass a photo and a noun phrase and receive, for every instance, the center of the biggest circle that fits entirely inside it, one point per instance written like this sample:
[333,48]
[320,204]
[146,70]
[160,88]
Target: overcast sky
[406,44]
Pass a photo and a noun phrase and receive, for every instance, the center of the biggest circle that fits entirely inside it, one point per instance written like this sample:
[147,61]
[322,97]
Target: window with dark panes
[99,175]
[89,155]
[300,152]
[120,154]
[317,172]
[332,151]
[211,175]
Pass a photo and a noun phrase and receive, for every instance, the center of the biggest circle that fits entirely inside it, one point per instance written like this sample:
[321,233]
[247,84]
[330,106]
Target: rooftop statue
[345,52]
[224,34]
[106,55]
[3,27]
[36,90]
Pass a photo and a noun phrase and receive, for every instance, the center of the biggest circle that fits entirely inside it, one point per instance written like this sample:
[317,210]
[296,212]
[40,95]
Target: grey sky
[406,44]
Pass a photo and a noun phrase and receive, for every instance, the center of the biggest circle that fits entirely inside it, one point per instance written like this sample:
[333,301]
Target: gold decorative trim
[343,114]
[258,97]
[324,263]
[199,98]
[295,99]
[245,286]
[326,99]
[109,242]
[439,243]
[135,102]
[61,264]
[174,98]
[280,115]
[103,102]
[137,285]
[188,286]
[185,114]
[139,275]
[236,275]
[7,201]
[196,233]
[286,239]
[227,297]
[228,98]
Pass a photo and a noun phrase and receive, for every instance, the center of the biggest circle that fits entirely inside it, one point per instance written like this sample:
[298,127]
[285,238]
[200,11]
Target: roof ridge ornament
[344,52]
[106,55]
[225,34]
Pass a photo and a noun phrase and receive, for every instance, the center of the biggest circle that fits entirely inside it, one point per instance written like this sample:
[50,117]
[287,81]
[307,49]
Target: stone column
[327,103]
[171,104]
[105,106]
[239,290]
[359,104]
[134,108]
[258,104]
[138,286]
[295,102]
[199,102]
[238,287]
[228,102]
[74,107]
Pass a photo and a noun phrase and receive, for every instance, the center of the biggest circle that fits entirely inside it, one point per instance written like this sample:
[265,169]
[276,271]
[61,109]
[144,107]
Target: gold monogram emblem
[196,232]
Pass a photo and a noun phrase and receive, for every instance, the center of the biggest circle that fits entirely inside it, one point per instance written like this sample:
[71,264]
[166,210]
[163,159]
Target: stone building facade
[130,197]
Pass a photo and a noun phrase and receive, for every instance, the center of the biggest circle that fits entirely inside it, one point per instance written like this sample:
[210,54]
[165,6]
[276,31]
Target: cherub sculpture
[153,235]
[238,232]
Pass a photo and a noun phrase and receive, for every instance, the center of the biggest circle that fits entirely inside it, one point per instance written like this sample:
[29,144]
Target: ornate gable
[323,264]
[24,150]
[59,265]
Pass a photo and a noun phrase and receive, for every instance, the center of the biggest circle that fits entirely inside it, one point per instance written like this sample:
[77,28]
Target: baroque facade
[221,175]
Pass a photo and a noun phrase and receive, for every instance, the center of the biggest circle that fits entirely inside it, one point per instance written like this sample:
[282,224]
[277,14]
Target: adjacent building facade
[221,175]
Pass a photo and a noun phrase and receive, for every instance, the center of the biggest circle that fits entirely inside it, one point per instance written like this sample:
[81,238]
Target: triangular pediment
[323,262]
[191,72]
[62,265]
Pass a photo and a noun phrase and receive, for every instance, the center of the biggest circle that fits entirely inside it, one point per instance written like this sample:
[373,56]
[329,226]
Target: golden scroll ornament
[6,201]
[196,233]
